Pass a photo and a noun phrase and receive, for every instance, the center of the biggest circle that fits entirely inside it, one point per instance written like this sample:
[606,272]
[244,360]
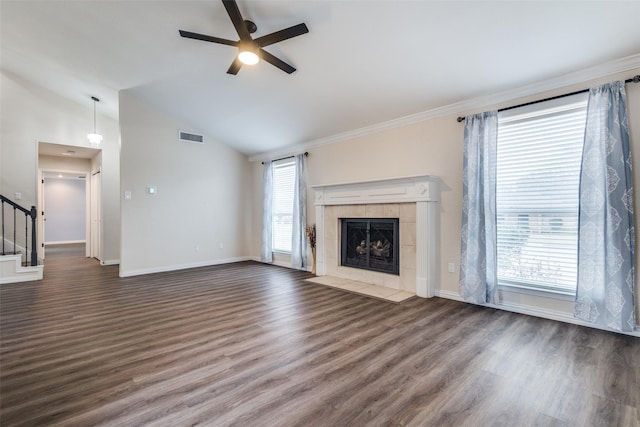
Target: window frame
[290,165]
[524,113]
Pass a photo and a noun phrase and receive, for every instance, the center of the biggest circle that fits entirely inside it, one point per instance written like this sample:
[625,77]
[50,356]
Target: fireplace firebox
[371,244]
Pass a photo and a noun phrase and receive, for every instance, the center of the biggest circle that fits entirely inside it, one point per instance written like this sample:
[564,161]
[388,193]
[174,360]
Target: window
[537,184]
[284,175]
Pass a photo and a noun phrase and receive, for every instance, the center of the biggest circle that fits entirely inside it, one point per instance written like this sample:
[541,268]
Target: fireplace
[412,201]
[370,244]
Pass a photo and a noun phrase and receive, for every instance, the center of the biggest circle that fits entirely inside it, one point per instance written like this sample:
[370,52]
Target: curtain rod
[634,79]
[306,154]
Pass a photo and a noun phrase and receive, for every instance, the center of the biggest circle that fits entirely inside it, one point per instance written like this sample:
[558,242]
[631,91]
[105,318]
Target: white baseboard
[448,295]
[110,262]
[279,264]
[174,267]
[536,312]
[65,242]
[282,264]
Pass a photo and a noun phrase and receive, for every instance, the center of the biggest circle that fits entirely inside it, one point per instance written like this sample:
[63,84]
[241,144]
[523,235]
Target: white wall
[64,164]
[200,211]
[65,202]
[29,114]
[432,147]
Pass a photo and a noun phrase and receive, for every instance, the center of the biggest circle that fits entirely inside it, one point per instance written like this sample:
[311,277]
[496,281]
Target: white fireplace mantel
[423,190]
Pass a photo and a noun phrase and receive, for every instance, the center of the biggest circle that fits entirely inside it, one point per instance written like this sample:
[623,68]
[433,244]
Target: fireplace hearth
[370,244]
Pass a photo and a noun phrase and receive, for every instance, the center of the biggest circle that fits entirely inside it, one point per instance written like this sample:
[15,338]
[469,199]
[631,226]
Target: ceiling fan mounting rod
[251,26]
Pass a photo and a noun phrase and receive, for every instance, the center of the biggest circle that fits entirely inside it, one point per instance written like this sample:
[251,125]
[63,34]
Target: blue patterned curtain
[605,294]
[478,265]
[298,235]
[266,249]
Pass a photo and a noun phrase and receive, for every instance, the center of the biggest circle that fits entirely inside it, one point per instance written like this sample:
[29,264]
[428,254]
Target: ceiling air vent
[190,137]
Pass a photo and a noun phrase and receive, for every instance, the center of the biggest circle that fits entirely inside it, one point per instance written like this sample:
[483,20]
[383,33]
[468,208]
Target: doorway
[65,200]
[69,198]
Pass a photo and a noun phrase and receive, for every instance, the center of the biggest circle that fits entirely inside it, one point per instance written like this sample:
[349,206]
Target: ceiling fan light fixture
[250,50]
[248,57]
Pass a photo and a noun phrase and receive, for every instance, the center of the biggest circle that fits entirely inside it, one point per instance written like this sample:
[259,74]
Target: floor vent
[190,137]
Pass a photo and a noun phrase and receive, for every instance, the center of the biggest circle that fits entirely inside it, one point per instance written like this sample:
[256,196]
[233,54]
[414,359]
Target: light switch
[452,267]
[18,196]
[151,190]
[127,195]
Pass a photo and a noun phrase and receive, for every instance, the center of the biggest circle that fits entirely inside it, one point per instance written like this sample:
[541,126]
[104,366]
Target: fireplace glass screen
[371,244]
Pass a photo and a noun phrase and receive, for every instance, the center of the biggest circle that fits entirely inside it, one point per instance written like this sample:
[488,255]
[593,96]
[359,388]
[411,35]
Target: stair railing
[28,213]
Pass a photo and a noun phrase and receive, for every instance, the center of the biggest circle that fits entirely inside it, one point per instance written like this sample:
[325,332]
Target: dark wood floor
[247,344]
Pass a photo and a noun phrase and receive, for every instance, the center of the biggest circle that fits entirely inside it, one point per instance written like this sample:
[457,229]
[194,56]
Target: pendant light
[94,138]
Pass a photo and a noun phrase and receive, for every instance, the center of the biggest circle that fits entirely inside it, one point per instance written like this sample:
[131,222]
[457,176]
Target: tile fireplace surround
[414,200]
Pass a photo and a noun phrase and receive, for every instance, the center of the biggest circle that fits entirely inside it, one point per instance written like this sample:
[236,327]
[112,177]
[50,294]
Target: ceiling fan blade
[236,18]
[235,67]
[285,34]
[204,37]
[277,62]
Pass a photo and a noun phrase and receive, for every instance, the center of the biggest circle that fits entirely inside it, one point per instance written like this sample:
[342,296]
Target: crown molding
[613,67]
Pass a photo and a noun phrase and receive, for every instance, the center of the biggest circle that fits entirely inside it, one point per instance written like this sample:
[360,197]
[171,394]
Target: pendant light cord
[94,112]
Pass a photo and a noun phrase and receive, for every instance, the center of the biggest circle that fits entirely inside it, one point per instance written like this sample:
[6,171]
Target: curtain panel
[298,235]
[605,289]
[266,248]
[478,264]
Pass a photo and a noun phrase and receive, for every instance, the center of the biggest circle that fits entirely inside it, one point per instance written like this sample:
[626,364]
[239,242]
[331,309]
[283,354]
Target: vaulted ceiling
[362,62]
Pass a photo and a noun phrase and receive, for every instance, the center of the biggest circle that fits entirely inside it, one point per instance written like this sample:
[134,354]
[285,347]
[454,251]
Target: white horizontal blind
[538,176]
[284,175]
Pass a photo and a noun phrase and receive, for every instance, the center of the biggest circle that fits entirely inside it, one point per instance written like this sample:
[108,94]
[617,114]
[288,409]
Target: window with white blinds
[537,185]
[284,175]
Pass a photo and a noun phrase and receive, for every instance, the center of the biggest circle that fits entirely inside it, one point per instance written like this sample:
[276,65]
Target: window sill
[275,252]
[529,290]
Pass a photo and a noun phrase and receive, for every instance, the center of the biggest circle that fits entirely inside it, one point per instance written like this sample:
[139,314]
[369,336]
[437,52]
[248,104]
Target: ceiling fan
[250,49]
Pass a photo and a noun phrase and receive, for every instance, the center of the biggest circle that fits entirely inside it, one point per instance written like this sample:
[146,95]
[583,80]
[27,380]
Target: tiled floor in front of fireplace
[375,291]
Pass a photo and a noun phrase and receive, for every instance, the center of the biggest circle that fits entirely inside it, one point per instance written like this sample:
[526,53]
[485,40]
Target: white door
[96,215]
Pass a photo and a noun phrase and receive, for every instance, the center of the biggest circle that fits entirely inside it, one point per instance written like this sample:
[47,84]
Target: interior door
[96,215]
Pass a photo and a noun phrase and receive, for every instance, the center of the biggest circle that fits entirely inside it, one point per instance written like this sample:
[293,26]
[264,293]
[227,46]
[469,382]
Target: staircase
[12,271]
[17,262]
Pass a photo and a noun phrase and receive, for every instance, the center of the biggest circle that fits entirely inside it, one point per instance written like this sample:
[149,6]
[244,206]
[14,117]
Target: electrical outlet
[452,267]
